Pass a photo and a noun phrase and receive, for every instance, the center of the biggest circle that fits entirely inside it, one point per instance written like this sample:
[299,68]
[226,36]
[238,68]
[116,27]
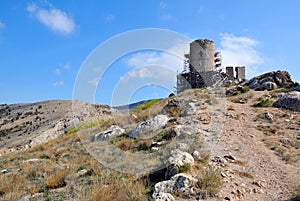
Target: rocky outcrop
[289,101]
[149,126]
[111,132]
[181,183]
[271,80]
[178,159]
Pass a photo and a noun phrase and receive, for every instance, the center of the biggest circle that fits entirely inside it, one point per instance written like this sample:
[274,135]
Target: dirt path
[257,173]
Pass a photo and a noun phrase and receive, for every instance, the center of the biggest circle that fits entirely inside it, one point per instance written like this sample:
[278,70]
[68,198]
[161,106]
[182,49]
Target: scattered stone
[218,159]
[229,157]
[289,101]
[258,184]
[285,141]
[268,116]
[111,132]
[32,160]
[196,154]
[84,172]
[153,149]
[4,171]
[150,126]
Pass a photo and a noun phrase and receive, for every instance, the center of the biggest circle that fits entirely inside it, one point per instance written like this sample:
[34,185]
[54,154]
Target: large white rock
[180,158]
[289,101]
[145,129]
[111,132]
[181,182]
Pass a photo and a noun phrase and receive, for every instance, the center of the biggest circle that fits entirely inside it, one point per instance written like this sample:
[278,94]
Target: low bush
[263,102]
[209,182]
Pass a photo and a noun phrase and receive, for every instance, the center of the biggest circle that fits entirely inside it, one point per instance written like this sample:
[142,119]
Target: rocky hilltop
[241,142]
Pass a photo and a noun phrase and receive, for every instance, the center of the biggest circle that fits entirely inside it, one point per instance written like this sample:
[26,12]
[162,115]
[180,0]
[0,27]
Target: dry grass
[104,189]
[56,179]
[242,98]
[125,144]
[245,174]
[12,186]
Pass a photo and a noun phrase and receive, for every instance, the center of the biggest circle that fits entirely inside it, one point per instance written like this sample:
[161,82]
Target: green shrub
[185,168]
[85,126]
[146,105]
[245,89]
[263,102]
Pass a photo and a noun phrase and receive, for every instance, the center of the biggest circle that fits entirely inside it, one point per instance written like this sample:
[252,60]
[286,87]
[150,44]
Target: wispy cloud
[2,25]
[66,66]
[57,71]
[110,18]
[240,51]
[55,19]
[171,58]
[94,81]
[157,65]
[163,11]
[59,83]
[163,5]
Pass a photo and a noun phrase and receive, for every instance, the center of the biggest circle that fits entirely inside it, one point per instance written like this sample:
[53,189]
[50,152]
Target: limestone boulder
[289,101]
[269,86]
[180,183]
[113,131]
[147,128]
[180,158]
[271,80]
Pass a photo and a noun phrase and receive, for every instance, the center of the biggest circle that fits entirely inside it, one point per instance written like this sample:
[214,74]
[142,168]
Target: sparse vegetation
[85,126]
[242,98]
[146,105]
[263,102]
[209,182]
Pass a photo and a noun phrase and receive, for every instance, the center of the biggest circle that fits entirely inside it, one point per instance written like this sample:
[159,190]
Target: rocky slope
[208,146]
[26,125]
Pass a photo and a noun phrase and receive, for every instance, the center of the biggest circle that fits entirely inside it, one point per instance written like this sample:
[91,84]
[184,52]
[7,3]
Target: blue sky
[43,44]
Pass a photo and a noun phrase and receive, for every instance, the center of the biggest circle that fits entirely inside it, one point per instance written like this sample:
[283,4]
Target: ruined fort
[202,68]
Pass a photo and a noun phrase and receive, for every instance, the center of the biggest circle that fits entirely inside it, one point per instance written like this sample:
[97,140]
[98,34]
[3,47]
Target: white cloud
[59,83]
[55,19]
[163,5]
[31,7]
[163,12]
[171,58]
[94,81]
[160,67]
[110,18]
[2,25]
[66,66]
[240,51]
[57,71]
